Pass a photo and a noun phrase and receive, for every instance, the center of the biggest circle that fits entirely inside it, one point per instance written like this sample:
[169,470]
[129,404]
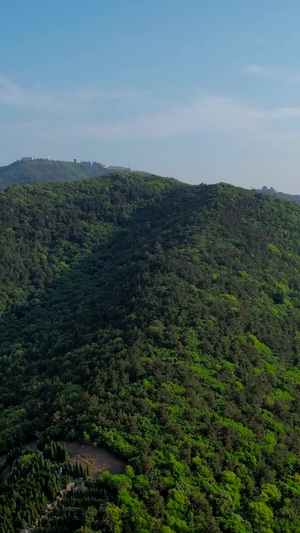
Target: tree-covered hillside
[44,170]
[160,320]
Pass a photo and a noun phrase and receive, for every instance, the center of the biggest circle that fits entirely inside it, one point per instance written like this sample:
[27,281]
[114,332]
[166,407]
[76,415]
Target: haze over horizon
[200,91]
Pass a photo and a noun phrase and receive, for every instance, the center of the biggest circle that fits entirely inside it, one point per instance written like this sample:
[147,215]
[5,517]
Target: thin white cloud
[256,38]
[12,94]
[79,100]
[269,72]
[207,113]
[95,94]
[286,112]
[273,73]
[72,115]
[83,111]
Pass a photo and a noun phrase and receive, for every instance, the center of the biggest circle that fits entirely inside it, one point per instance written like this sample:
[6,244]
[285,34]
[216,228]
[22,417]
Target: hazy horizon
[200,91]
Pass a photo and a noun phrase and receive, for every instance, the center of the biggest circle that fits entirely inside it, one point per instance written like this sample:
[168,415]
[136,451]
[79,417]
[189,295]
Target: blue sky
[201,90]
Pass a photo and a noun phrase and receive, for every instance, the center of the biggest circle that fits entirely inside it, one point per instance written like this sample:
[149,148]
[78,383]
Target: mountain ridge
[282,195]
[45,170]
[169,334]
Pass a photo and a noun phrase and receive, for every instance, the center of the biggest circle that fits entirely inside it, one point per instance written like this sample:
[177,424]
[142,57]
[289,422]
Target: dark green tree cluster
[26,490]
[34,488]
[57,453]
[79,511]
[170,336]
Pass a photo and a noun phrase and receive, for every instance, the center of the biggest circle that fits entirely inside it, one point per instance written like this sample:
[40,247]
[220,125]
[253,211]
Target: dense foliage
[160,320]
[44,170]
[33,485]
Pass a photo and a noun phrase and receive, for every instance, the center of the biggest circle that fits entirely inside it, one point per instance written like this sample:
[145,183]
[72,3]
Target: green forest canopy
[160,320]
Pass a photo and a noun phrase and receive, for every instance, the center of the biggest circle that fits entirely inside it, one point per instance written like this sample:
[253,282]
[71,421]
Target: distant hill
[44,170]
[283,195]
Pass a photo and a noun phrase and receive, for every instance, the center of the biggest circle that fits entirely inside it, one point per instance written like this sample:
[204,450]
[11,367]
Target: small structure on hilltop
[266,190]
[117,168]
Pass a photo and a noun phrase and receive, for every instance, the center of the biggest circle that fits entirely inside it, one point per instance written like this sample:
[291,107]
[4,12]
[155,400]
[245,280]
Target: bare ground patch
[98,459]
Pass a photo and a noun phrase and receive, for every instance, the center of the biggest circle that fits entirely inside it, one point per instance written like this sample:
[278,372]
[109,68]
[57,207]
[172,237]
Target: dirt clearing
[98,459]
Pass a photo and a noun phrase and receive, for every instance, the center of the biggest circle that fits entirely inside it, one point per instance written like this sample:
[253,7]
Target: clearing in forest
[98,459]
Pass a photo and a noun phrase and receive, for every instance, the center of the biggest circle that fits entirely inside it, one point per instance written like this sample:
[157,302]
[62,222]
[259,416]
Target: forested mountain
[162,321]
[44,170]
[283,195]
